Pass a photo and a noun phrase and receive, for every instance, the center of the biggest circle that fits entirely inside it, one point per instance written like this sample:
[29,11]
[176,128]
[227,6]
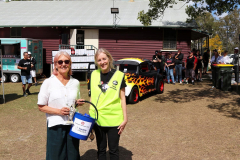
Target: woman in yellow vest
[107,92]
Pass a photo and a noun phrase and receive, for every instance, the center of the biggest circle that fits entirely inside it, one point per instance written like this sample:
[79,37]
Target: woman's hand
[80,102]
[64,111]
[121,127]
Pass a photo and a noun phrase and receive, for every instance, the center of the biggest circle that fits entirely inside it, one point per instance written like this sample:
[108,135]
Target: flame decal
[142,82]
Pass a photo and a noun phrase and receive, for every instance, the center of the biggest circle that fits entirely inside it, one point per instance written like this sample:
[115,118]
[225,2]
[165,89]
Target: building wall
[133,42]
[91,37]
[184,41]
[4,32]
[51,38]
[122,43]
[73,33]
[138,42]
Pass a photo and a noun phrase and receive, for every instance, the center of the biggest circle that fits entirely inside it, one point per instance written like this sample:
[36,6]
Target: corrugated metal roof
[84,13]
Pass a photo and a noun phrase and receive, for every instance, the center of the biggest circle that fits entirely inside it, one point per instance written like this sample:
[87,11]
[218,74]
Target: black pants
[110,134]
[236,72]
[60,145]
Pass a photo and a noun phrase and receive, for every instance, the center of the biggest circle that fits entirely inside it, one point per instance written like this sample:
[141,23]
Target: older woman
[56,95]
[225,59]
[107,92]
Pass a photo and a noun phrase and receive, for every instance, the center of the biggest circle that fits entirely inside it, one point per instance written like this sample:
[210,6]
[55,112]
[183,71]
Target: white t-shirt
[54,94]
[225,60]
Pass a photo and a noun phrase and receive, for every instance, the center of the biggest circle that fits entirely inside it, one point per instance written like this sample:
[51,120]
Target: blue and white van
[12,53]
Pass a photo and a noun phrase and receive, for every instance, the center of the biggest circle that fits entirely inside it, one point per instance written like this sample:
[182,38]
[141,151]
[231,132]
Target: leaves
[214,43]
[158,7]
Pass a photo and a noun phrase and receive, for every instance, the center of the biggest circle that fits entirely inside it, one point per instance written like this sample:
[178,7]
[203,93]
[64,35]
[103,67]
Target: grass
[21,122]
[186,121]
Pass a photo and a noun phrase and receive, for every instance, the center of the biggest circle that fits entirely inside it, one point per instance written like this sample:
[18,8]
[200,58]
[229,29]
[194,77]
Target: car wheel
[134,95]
[4,78]
[160,86]
[14,78]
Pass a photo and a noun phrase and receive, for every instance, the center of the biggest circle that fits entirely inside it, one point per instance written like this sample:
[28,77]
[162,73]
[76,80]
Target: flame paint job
[143,82]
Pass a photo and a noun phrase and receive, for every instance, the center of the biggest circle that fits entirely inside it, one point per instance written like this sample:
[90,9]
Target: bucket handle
[92,105]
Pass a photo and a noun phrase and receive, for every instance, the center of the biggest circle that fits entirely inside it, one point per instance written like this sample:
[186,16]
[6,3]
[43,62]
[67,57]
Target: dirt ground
[186,122]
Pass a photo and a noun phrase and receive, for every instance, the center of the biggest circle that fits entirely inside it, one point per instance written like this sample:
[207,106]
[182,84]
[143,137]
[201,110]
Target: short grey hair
[24,53]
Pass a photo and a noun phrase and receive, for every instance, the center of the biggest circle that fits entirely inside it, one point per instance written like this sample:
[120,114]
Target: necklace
[104,86]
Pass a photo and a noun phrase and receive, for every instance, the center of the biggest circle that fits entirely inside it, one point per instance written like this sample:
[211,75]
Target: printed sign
[81,127]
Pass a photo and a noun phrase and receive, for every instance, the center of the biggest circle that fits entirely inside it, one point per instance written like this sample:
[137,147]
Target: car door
[154,73]
[146,78]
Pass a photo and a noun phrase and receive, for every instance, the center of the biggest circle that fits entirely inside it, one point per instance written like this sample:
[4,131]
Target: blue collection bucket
[82,124]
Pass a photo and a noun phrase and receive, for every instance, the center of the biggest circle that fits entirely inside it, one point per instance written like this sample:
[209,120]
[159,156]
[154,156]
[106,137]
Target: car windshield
[128,68]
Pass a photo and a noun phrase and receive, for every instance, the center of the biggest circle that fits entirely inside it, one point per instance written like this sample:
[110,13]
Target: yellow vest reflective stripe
[109,103]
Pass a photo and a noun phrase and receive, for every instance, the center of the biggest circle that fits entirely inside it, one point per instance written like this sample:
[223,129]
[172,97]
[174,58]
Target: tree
[207,23]
[229,30]
[215,43]
[157,8]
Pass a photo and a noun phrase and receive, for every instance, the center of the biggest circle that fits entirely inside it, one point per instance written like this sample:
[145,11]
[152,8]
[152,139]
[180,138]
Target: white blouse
[225,60]
[54,94]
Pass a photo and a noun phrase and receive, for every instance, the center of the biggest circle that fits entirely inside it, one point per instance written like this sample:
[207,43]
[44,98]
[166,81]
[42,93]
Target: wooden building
[91,23]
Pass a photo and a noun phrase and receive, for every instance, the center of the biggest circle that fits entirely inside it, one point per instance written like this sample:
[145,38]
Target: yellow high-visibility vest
[108,103]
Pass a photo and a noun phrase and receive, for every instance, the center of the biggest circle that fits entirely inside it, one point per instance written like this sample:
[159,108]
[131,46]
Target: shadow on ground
[230,109]
[193,94]
[124,154]
[12,97]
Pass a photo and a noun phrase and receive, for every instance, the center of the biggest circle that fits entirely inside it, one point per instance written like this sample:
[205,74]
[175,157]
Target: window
[16,32]
[169,39]
[144,67]
[152,67]
[11,51]
[126,68]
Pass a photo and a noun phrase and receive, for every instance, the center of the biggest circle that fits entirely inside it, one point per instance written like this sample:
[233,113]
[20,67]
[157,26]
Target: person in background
[235,63]
[178,57]
[169,64]
[0,72]
[160,59]
[194,52]
[183,70]
[199,66]
[206,57]
[33,68]
[190,65]
[56,95]
[107,92]
[216,58]
[225,59]
[155,60]
[25,66]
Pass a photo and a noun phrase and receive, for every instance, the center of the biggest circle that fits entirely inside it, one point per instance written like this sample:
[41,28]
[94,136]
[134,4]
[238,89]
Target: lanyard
[103,86]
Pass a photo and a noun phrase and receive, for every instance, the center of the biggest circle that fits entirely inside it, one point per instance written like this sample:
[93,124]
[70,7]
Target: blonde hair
[58,55]
[103,50]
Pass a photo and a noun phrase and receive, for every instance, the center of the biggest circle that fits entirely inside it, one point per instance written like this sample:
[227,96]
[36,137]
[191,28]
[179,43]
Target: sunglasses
[60,62]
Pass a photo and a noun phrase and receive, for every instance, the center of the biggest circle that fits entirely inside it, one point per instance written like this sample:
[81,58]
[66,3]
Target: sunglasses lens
[60,62]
